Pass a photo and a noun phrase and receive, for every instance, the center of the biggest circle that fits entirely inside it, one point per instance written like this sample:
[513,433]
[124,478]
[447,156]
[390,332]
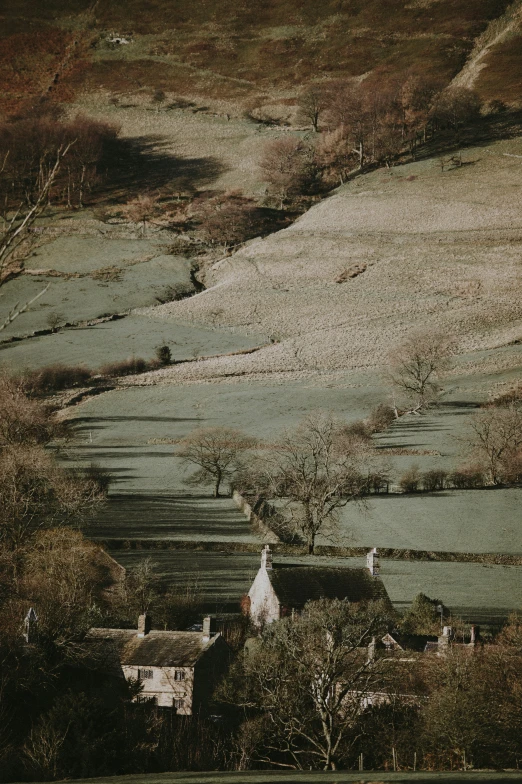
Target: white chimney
[266,557]
[372,562]
[144,625]
[209,628]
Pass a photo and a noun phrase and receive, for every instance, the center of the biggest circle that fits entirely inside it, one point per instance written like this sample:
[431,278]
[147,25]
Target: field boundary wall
[282,548]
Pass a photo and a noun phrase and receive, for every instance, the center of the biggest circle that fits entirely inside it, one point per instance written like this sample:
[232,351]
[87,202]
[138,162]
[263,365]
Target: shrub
[358,431]
[54,378]
[410,480]
[434,480]
[163,355]
[423,617]
[98,476]
[126,367]
[377,483]
[513,396]
[54,320]
[467,478]
[381,418]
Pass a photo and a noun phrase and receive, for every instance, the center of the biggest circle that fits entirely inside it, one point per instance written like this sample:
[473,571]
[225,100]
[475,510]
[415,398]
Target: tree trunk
[217,485]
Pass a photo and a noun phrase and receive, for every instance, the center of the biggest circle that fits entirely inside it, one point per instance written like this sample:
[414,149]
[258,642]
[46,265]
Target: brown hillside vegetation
[234,49]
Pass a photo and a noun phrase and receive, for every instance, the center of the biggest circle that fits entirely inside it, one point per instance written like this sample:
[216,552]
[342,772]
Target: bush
[513,396]
[381,418]
[467,478]
[126,367]
[54,378]
[98,476]
[410,480]
[434,480]
[358,431]
[163,355]
[377,483]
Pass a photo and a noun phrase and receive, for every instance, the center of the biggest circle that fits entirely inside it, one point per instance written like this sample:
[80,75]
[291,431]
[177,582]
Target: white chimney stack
[372,562]
[266,557]
[209,628]
[144,625]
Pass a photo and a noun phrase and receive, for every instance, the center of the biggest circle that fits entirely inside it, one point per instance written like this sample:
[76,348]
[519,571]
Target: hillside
[243,54]
[418,245]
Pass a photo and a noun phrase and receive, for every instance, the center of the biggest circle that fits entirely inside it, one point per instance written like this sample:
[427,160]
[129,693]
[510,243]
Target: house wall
[264,604]
[164,688]
[208,670]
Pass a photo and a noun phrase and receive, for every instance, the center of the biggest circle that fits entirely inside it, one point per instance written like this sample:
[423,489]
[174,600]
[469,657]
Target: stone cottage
[177,669]
[280,590]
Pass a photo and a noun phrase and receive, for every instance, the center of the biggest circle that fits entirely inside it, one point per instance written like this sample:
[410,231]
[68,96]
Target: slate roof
[412,642]
[157,648]
[296,585]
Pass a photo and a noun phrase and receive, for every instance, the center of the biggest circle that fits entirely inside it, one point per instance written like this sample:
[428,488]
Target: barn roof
[296,585]
[157,648]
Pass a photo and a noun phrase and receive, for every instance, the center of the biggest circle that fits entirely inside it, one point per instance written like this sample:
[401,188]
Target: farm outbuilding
[176,669]
[280,590]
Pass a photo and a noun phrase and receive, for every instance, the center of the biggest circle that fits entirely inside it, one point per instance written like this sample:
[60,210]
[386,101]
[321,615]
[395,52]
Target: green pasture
[125,431]
[313,777]
[135,335]
[169,517]
[146,276]
[121,429]
[479,593]
[479,521]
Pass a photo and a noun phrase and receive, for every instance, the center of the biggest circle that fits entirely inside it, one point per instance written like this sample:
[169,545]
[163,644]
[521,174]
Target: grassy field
[475,592]
[116,275]
[127,444]
[275,777]
[135,335]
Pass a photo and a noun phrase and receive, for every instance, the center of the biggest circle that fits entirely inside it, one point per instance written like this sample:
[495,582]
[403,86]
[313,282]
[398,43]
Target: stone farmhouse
[177,669]
[281,590]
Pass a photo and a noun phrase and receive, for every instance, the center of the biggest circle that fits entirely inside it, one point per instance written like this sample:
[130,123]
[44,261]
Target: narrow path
[505,24]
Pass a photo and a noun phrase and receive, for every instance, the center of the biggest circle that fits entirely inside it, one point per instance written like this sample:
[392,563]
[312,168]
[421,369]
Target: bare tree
[229,218]
[315,470]
[312,103]
[456,106]
[24,421]
[15,227]
[36,493]
[496,441]
[142,209]
[287,167]
[416,368]
[18,309]
[218,453]
[308,678]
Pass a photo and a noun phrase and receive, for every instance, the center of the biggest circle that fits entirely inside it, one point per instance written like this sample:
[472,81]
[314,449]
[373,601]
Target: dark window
[179,675]
[145,674]
[179,703]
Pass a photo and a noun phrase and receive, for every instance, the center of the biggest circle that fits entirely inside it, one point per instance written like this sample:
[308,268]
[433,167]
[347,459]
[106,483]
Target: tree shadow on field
[146,163]
[87,423]
[399,434]
[153,516]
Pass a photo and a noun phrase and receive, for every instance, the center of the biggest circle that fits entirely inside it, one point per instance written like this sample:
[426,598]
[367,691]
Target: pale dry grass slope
[438,250]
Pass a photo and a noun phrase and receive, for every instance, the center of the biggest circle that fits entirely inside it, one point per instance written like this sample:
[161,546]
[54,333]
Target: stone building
[177,669]
[280,590]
